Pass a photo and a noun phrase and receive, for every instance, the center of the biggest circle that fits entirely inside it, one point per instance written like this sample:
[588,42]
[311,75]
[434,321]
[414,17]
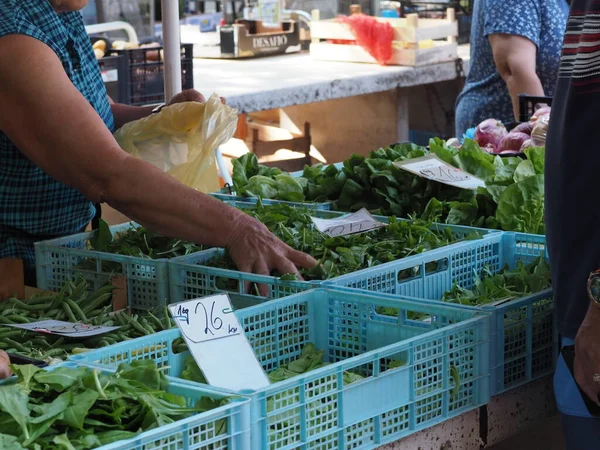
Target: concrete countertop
[268,83]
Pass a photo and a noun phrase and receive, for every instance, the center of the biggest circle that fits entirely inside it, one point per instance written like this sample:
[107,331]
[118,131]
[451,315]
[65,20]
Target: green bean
[10,334]
[52,353]
[18,319]
[41,342]
[97,302]
[17,345]
[157,323]
[74,307]
[69,313]
[41,299]
[58,342]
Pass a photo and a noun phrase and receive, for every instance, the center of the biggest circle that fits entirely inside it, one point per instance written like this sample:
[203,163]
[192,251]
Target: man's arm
[125,113]
[47,118]
[515,58]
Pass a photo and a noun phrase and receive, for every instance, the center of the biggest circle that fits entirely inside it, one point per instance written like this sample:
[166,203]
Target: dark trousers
[581,433]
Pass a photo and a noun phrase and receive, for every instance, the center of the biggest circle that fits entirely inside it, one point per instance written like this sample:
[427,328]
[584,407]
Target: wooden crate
[417,42]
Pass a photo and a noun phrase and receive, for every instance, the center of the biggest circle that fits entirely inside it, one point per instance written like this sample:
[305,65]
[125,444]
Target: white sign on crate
[109,76]
[433,168]
[67,329]
[358,222]
[218,344]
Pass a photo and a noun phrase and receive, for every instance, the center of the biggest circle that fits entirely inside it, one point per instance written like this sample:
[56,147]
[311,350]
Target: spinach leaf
[14,401]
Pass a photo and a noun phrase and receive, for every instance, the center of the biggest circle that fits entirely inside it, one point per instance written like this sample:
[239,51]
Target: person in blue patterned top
[58,155]
[515,49]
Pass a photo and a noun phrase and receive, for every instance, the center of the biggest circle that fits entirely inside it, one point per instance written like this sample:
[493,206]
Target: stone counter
[281,81]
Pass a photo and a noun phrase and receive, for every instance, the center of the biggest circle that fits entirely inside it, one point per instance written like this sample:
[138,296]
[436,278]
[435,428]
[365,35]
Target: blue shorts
[580,429]
[568,397]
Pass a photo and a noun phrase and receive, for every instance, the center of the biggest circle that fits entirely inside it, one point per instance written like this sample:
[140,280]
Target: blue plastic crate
[190,278]
[59,260]
[198,432]
[225,196]
[317,410]
[524,344]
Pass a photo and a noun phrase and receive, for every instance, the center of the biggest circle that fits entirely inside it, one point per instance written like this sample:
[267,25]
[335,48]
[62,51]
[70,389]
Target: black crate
[528,103]
[115,76]
[144,81]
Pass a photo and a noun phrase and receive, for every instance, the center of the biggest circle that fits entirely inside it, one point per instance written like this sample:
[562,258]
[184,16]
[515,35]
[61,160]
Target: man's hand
[5,371]
[255,249]
[190,95]
[587,354]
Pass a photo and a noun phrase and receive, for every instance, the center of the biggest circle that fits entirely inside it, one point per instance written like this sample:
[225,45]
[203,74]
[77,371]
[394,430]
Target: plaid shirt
[34,206]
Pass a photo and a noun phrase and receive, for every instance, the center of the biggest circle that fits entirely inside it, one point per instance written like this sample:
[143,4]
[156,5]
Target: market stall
[427,321]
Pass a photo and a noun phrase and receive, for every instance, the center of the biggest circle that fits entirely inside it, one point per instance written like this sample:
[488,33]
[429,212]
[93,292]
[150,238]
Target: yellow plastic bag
[181,140]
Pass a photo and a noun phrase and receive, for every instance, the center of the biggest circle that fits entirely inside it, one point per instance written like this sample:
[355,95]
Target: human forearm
[124,113]
[522,82]
[515,59]
[161,203]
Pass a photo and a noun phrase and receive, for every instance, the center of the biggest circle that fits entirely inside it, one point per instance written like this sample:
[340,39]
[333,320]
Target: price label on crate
[358,222]
[109,76]
[67,329]
[433,168]
[218,344]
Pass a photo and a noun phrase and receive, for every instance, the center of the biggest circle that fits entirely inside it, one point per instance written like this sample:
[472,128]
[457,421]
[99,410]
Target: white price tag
[218,344]
[67,329]
[110,75]
[433,168]
[358,222]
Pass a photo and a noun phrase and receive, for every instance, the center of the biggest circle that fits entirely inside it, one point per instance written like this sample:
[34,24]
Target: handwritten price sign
[205,319]
[433,168]
[218,344]
[358,222]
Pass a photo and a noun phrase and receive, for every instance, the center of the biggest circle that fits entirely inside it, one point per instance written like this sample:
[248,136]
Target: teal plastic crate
[524,336]
[59,260]
[317,410]
[198,432]
[226,196]
[190,278]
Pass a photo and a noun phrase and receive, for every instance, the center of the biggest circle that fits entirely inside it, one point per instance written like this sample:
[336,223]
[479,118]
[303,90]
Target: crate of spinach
[76,303]
[127,249]
[508,275]
[252,181]
[342,376]
[213,271]
[76,407]
[512,199]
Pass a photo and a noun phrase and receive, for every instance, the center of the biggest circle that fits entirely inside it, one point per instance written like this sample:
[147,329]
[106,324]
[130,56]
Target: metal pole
[172,48]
